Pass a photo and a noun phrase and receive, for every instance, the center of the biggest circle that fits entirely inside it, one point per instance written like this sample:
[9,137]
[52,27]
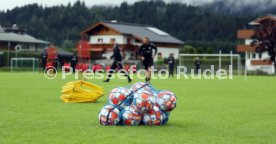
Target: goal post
[24,64]
[219,61]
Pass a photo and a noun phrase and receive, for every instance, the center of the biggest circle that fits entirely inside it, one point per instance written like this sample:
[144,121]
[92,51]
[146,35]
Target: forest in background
[205,27]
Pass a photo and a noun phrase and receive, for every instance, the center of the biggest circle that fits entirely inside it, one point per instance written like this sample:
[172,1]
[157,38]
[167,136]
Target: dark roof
[140,31]
[24,38]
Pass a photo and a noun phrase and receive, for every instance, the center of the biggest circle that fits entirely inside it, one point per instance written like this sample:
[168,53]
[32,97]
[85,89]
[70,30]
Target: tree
[187,49]
[204,27]
[210,50]
[264,39]
[199,50]
[67,44]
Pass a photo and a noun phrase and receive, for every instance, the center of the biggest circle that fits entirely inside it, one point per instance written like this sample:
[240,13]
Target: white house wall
[266,68]
[32,47]
[108,54]
[120,39]
[255,56]
[248,41]
[167,51]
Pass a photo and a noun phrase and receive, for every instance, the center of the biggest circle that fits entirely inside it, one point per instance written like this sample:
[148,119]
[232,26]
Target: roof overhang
[13,37]
[260,19]
[137,37]
[95,26]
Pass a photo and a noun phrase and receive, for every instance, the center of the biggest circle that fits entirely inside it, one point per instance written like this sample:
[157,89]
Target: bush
[210,50]
[199,50]
[160,62]
[188,49]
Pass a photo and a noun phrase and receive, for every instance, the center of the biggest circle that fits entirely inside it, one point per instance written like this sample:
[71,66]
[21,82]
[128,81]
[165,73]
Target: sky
[5,4]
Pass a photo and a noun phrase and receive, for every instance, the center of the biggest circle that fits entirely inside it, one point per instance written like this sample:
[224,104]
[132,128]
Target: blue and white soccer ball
[131,115]
[153,117]
[109,115]
[120,97]
[140,86]
[141,104]
[165,116]
[143,100]
[165,100]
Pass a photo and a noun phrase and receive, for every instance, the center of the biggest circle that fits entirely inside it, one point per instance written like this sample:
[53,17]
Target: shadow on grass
[100,103]
[183,125]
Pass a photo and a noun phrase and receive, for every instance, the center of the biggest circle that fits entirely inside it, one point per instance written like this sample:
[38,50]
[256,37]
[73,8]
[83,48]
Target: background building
[254,60]
[130,37]
[10,37]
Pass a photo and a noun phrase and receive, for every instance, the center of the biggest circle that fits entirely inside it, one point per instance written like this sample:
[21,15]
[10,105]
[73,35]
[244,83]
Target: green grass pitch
[208,111]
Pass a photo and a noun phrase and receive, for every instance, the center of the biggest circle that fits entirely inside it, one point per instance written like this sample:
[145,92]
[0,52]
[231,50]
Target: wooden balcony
[261,62]
[245,34]
[244,48]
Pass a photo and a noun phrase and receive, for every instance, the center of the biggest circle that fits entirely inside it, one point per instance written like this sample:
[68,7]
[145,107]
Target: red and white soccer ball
[165,100]
[153,117]
[109,115]
[131,116]
[144,100]
[140,86]
[119,96]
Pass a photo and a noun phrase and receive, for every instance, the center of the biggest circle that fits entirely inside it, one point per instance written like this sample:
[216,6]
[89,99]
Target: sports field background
[208,111]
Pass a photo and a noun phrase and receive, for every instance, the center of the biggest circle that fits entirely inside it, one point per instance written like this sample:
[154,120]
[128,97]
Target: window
[113,39]
[253,56]
[260,55]
[100,40]
[159,55]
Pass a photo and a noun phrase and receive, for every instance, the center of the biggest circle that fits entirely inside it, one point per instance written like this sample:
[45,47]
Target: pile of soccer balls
[139,104]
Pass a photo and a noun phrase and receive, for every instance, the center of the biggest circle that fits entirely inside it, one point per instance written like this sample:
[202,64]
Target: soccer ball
[144,100]
[153,117]
[131,116]
[165,116]
[109,115]
[165,100]
[120,97]
[140,86]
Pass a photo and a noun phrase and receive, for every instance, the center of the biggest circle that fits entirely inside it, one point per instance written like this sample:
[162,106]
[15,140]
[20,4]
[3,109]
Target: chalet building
[254,60]
[129,37]
[10,37]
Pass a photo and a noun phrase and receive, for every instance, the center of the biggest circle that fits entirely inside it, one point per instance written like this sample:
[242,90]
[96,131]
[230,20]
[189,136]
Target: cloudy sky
[232,3]
[13,3]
